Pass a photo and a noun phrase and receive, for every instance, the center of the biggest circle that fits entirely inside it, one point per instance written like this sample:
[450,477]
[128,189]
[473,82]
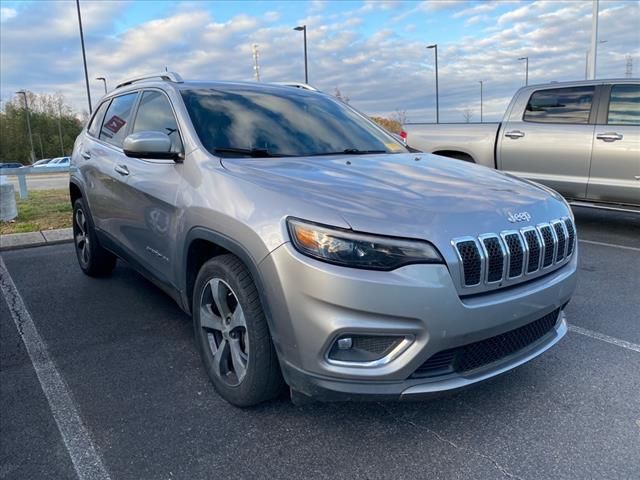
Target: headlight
[358,250]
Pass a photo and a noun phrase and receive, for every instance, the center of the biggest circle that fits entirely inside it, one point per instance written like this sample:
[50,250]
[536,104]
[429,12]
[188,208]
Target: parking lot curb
[14,241]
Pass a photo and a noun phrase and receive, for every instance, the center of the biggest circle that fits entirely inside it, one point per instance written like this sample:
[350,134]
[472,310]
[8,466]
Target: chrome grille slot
[548,244]
[495,257]
[571,231]
[562,242]
[515,251]
[534,247]
[493,260]
[469,255]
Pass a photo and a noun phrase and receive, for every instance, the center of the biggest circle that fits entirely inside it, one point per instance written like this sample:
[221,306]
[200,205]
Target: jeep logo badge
[519,217]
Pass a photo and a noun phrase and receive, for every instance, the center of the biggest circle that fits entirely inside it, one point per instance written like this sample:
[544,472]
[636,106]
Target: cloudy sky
[374,51]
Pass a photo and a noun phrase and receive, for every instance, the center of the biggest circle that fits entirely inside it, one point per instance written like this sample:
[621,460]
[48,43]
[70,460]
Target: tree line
[54,127]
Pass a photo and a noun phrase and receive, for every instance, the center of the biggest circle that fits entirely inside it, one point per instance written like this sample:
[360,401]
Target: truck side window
[560,105]
[116,119]
[155,114]
[96,121]
[624,105]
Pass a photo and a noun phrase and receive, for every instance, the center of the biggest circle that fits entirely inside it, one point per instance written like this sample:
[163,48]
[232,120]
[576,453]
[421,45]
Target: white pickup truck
[579,138]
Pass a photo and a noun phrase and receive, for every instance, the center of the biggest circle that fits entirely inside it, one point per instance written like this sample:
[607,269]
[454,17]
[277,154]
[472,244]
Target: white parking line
[613,245]
[605,338]
[85,457]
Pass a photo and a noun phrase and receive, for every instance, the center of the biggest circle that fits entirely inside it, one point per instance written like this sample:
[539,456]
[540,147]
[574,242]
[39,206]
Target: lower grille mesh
[478,354]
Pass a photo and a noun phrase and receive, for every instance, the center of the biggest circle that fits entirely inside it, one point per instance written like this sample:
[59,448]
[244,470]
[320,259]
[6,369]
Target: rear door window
[96,121]
[624,105]
[114,126]
[560,105]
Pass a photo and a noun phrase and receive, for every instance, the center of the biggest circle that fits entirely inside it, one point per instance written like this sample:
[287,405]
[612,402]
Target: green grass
[43,210]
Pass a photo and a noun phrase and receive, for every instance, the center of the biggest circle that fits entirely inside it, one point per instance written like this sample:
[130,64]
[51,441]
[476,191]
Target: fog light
[363,348]
[345,343]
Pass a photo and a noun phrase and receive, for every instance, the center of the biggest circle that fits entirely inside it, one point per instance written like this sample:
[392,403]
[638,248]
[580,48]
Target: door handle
[609,137]
[514,134]
[122,169]
[86,154]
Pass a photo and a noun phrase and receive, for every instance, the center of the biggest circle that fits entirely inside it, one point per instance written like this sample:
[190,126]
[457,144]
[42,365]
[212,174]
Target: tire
[94,260]
[232,335]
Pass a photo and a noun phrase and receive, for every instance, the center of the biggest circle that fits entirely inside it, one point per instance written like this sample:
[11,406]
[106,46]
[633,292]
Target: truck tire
[232,334]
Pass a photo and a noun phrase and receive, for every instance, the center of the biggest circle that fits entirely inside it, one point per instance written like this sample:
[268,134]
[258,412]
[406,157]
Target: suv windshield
[270,122]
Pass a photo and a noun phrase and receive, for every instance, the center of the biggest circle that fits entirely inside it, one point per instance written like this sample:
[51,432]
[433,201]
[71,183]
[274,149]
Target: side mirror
[149,145]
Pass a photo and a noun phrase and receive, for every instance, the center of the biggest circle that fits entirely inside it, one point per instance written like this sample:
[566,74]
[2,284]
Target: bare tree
[467,114]
[339,95]
[399,116]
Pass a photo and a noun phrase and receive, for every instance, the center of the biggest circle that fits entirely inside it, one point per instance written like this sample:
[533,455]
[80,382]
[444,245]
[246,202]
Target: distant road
[42,182]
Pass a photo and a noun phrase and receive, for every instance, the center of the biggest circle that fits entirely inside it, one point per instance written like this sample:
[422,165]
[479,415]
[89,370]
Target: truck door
[551,142]
[615,163]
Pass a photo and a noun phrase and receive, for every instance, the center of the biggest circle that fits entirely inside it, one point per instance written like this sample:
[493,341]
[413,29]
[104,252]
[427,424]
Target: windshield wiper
[251,152]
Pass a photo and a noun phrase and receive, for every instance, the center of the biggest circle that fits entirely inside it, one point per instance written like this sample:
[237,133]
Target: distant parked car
[10,165]
[42,163]
[58,162]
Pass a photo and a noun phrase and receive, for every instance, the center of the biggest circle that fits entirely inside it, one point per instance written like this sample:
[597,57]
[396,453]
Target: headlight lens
[358,250]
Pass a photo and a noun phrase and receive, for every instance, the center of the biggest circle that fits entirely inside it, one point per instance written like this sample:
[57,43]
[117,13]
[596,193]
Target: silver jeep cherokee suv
[312,248]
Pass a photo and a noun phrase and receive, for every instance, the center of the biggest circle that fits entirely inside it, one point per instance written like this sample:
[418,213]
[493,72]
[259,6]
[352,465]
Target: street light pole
[594,40]
[303,29]
[481,100]
[104,80]
[435,47]
[41,149]
[26,108]
[526,74]
[84,55]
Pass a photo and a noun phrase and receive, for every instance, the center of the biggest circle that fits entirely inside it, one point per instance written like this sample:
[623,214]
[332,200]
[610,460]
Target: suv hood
[407,195]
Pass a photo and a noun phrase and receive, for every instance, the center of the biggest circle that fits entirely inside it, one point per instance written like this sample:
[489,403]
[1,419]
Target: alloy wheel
[223,322]
[81,236]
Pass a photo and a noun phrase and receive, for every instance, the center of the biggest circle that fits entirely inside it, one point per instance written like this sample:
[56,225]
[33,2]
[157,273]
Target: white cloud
[380,71]
[6,13]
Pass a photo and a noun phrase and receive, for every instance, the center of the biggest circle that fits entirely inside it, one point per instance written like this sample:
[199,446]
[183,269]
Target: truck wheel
[232,334]
[94,260]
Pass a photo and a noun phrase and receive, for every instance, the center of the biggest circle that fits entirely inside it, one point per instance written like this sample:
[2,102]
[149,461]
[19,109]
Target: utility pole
[435,47]
[594,40]
[84,56]
[303,29]
[481,100]
[526,71]
[628,72]
[256,66]
[26,109]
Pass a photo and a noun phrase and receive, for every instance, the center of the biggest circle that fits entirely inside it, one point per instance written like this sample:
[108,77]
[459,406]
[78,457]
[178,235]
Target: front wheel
[232,334]
[94,260]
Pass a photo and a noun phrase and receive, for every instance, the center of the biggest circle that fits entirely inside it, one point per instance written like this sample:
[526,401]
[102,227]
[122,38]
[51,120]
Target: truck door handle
[609,137]
[86,154]
[122,170]
[514,134]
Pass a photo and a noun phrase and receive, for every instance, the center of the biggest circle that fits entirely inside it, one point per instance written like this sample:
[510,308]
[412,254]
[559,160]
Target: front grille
[523,252]
[479,354]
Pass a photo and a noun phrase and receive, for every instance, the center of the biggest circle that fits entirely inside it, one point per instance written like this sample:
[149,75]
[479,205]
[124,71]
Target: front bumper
[312,303]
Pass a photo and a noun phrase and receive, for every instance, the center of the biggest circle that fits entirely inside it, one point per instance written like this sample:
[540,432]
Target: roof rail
[303,86]
[166,76]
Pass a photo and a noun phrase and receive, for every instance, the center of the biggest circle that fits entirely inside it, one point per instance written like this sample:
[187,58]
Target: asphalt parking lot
[124,353]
